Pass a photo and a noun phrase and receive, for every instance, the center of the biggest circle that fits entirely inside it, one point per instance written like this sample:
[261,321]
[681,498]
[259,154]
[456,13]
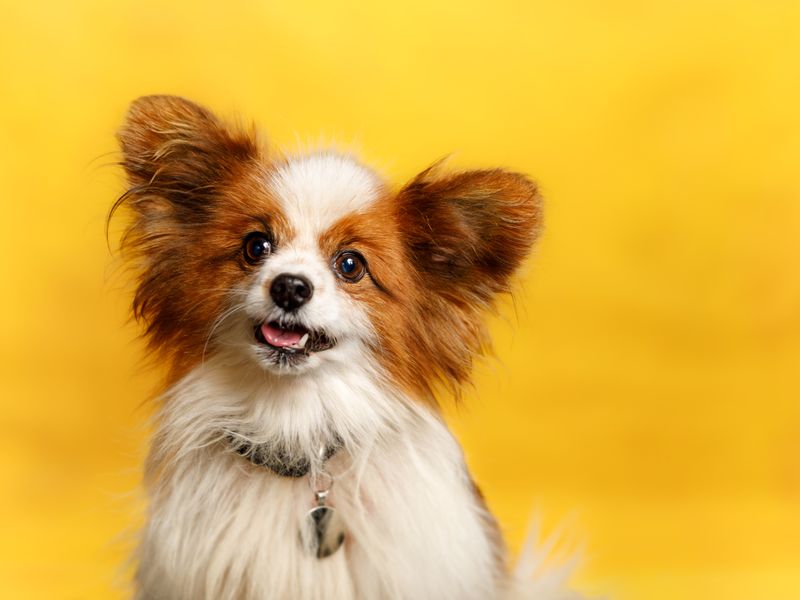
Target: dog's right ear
[180,161]
[177,152]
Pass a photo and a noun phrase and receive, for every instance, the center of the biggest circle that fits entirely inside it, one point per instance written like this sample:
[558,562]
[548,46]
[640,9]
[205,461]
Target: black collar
[279,460]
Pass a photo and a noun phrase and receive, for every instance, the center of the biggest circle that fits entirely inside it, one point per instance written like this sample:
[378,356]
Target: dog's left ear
[467,233]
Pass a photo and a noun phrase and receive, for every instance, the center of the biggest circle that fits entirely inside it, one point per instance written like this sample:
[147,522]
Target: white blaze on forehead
[317,190]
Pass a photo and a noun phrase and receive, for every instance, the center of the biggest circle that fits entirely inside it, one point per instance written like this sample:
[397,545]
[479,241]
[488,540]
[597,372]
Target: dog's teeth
[303,340]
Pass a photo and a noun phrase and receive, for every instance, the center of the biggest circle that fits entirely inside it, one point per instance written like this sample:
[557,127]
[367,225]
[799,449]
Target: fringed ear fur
[467,233]
[464,235]
[177,152]
[182,166]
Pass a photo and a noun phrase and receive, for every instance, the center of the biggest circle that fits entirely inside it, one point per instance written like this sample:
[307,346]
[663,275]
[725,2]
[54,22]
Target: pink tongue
[280,337]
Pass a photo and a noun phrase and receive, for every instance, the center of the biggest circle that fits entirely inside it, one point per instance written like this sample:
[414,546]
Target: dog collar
[322,532]
[278,461]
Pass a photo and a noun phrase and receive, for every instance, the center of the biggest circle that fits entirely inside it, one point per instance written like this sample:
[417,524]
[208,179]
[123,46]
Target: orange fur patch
[439,252]
[196,191]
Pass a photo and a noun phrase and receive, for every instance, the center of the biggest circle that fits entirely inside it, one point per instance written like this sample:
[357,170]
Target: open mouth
[292,339]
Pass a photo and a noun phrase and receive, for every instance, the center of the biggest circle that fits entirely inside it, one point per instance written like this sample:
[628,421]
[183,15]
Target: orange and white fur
[300,302]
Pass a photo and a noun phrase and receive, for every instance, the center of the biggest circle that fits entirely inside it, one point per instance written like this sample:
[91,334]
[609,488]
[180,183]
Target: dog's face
[301,300]
[308,262]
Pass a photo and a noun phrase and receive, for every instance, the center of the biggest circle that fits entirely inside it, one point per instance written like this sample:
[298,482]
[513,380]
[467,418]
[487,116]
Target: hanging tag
[323,530]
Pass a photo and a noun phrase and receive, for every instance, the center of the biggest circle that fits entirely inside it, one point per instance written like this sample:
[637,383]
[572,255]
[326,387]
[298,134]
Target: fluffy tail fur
[544,568]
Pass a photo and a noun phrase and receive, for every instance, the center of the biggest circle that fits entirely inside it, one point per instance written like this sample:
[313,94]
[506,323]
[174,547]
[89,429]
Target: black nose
[290,292]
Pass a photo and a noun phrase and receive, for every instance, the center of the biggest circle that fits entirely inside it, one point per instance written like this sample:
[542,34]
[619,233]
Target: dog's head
[306,263]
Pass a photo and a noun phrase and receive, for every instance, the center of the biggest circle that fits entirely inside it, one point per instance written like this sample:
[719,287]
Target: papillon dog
[306,314]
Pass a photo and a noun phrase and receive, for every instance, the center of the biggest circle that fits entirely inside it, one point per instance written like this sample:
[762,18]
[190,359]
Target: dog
[306,314]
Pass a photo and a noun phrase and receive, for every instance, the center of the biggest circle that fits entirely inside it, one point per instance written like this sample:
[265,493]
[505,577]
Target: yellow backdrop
[646,381]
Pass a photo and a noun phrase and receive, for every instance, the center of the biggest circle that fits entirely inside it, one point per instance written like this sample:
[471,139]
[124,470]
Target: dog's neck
[277,458]
[283,420]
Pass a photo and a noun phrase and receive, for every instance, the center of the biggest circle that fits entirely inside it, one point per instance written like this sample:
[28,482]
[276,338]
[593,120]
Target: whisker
[217,322]
[199,301]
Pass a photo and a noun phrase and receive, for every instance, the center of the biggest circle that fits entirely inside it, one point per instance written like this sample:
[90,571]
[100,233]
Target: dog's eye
[350,266]
[256,247]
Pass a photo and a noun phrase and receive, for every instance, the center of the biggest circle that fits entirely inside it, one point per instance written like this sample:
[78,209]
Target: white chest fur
[223,528]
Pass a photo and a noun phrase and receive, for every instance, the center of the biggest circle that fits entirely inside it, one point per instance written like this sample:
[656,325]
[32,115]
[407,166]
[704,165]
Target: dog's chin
[289,348]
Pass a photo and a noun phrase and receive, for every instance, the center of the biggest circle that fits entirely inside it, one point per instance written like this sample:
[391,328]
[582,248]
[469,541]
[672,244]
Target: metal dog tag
[323,531]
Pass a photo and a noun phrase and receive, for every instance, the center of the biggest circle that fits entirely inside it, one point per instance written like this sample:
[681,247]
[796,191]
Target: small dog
[306,313]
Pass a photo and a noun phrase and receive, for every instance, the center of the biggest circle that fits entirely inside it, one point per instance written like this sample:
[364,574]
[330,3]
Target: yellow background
[646,386]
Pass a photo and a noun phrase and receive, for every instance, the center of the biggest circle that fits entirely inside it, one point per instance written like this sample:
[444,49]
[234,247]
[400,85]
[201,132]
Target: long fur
[437,253]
